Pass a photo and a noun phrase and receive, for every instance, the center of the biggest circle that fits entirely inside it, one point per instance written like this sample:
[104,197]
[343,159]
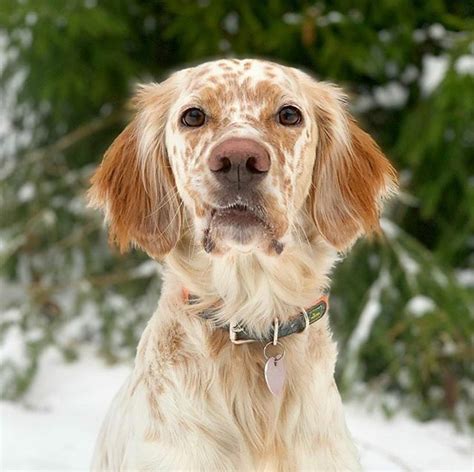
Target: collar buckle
[234,331]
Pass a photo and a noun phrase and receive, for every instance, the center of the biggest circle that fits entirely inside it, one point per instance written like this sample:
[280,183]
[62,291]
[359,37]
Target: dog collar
[238,333]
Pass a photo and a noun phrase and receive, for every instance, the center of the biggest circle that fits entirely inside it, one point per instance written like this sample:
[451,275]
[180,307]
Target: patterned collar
[238,333]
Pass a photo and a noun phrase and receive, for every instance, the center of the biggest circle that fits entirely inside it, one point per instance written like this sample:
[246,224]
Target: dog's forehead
[237,74]
[254,69]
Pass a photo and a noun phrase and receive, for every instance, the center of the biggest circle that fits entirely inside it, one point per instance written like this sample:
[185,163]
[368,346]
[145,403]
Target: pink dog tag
[275,374]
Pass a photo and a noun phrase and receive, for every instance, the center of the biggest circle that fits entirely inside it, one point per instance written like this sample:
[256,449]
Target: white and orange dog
[247,179]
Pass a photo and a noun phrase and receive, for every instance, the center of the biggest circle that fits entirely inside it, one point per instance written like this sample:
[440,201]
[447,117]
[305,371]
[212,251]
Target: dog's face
[241,153]
[241,142]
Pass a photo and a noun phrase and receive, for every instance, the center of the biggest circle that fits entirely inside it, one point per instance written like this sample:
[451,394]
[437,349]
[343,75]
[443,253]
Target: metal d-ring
[279,356]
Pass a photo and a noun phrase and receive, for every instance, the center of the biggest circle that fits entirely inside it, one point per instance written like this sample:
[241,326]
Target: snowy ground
[55,427]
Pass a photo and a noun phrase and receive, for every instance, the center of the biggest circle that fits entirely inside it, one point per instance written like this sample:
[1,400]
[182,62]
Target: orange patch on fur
[148,217]
[348,183]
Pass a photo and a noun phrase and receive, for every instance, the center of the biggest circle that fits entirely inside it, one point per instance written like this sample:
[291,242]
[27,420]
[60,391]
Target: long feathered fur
[195,401]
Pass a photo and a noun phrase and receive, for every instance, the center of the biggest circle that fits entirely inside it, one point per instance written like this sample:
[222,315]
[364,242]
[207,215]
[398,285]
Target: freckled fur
[194,401]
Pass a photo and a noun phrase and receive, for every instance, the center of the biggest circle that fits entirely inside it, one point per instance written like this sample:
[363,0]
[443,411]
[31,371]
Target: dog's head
[241,153]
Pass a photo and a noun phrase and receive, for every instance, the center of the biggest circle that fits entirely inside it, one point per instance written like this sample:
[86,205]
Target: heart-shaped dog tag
[275,374]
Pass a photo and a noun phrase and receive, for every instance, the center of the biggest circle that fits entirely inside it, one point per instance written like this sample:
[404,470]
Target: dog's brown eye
[193,117]
[289,116]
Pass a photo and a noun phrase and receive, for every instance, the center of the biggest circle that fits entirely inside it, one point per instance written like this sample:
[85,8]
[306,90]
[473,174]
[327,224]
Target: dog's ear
[134,185]
[351,176]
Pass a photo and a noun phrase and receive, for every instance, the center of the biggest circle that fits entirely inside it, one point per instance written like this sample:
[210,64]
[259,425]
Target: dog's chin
[241,229]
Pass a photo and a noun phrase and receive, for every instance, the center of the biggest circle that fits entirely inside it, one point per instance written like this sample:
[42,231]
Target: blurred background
[402,309]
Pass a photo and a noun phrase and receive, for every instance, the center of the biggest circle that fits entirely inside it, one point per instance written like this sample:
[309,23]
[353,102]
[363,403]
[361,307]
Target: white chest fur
[196,402]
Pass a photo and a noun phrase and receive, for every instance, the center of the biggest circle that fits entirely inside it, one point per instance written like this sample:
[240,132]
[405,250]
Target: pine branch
[77,135]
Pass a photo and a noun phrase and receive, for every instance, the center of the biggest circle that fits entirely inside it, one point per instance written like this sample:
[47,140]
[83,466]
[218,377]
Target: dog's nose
[239,161]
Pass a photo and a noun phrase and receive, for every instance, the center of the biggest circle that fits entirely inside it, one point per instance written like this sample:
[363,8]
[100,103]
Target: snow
[27,192]
[385,36]
[363,103]
[13,348]
[292,18]
[419,36]
[391,95]
[410,266]
[465,65]
[231,22]
[390,229]
[147,269]
[437,31]
[420,305]
[434,70]
[31,18]
[369,314]
[465,277]
[59,419]
[12,315]
[10,138]
[404,444]
[409,74]
[90,3]
[333,17]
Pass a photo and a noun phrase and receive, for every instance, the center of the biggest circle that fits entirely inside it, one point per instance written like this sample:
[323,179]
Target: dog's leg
[326,443]
[193,436]
[191,455]
[112,446]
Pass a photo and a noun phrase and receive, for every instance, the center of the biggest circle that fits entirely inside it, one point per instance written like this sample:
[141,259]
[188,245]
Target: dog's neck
[253,288]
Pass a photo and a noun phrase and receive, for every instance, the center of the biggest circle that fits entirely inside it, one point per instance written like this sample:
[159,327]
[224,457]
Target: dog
[248,180]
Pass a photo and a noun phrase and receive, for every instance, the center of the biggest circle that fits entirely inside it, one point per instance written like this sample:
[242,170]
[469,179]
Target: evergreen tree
[402,307]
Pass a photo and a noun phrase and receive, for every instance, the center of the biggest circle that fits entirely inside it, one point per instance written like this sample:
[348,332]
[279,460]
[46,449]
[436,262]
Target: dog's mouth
[238,214]
[240,224]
